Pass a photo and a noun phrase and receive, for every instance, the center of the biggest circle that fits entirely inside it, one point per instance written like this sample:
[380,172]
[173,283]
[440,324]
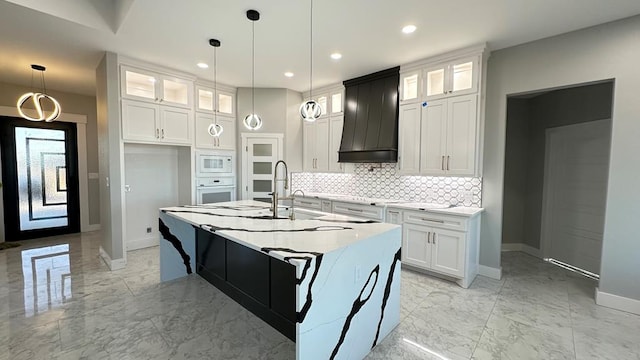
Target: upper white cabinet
[321,138]
[147,122]
[149,86]
[440,115]
[226,140]
[220,101]
[452,78]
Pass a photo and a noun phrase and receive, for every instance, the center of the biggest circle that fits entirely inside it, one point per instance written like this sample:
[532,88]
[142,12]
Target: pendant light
[215,129]
[310,110]
[253,121]
[38,99]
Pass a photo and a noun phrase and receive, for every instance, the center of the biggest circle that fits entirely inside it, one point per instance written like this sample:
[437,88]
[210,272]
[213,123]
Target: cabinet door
[138,84]
[226,103]
[336,101]
[448,252]
[394,217]
[461,135]
[176,124]
[204,99]
[436,81]
[248,271]
[433,138]
[463,76]
[202,138]
[410,87]
[409,138]
[309,146]
[415,248]
[335,127]
[322,144]
[177,92]
[140,121]
[227,140]
[211,254]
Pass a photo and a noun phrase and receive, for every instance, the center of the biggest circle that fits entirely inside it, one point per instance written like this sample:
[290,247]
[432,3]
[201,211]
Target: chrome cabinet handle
[163,133]
[429,237]
[157,133]
[448,162]
[433,241]
[357,210]
[442,163]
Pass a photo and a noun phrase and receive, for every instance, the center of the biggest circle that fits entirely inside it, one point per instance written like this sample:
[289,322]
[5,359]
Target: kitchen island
[330,283]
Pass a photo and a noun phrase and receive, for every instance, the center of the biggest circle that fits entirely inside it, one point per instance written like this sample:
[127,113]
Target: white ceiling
[69,36]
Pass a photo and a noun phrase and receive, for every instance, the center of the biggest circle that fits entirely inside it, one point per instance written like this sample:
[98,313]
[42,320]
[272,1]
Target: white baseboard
[142,243]
[91,227]
[523,248]
[617,302]
[112,264]
[493,273]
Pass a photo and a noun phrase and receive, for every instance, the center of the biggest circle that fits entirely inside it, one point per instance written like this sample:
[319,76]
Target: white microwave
[210,163]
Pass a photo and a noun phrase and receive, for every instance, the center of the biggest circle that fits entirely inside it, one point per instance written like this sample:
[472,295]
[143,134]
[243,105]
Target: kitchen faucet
[292,214]
[274,194]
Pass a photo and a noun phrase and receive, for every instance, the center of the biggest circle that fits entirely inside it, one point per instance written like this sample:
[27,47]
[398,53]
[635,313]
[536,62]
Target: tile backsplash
[381,181]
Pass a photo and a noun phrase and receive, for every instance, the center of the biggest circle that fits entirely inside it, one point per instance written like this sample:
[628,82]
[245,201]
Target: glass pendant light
[253,121]
[310,110]
[215,129]
[38,99]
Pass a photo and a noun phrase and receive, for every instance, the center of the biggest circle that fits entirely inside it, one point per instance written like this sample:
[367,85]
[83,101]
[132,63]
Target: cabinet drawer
[358,210]
[308,203]
[430,219]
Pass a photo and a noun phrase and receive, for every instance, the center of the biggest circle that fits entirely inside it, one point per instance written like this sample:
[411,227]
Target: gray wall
[73,104]
[278,109]
[527,122]
[608,51]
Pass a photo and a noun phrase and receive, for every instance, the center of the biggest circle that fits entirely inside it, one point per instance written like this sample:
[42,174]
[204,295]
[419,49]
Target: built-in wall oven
[215,189]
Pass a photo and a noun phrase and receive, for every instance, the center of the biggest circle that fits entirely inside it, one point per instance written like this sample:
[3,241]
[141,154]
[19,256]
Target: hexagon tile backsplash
[381,181]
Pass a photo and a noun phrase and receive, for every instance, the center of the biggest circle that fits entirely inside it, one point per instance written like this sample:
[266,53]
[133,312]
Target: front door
[40,178]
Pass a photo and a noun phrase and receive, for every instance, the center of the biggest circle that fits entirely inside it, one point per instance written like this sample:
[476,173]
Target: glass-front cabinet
[410,87]
[143,85]
[453,78]
[223,101]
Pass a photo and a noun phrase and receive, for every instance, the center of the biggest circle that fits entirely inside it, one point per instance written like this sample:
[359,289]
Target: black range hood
[370,132]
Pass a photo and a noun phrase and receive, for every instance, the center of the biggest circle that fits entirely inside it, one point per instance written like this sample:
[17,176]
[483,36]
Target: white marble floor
[59,301]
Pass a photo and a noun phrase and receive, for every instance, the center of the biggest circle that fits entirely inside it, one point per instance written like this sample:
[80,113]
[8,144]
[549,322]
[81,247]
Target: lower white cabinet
[434,249]
[442,244]
[147,122]
[308,203]
[364,211]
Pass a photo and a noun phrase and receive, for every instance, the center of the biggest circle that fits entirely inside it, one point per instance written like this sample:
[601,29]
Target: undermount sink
[300,214]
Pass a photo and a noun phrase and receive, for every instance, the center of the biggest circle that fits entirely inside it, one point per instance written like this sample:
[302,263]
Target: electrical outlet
[148,230]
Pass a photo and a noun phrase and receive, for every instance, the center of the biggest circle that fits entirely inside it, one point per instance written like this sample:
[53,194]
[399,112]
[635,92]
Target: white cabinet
[149,86]
[440,243]
[452,78]
[448,136]
[308,203]
[315,152]
[226,141]
[409,138]
[147,122]
[220,101]
[410,87]
[336,123]
[371,212]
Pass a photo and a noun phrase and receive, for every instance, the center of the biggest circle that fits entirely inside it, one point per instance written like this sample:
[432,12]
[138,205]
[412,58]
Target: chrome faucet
[292,214]
[274,194]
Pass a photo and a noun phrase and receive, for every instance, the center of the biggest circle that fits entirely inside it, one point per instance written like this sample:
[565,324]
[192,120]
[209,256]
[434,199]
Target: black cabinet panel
[283,289]
[248,270]
[211,253]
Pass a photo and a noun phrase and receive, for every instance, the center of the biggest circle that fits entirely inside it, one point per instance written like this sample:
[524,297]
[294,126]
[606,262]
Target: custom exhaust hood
[370,132]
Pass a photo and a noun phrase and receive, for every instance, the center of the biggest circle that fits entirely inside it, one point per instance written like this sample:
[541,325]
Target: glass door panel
[410,87]
[205,100]
[462,76]
[435,82]
[261,160]
[42,178]
[225,103]
[140,85]
[175,92]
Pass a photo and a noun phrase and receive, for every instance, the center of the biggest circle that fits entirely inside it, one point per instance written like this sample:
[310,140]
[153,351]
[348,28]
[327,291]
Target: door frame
[83,177]
[243,167]
[547,185]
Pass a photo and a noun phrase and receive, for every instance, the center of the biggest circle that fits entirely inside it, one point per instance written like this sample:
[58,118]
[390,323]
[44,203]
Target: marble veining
[175,325]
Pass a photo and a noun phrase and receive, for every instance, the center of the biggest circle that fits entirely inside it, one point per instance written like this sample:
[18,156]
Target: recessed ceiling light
[409,29]
[288,74]
[336,56]
[202,65]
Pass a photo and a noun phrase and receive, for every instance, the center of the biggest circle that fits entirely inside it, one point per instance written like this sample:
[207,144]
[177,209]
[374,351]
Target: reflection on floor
[59,301]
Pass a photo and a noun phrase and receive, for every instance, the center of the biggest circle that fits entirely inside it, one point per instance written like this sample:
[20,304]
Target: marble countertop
[249,223]
[400,204]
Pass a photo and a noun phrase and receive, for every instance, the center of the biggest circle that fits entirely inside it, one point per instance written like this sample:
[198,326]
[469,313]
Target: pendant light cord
[215,83]
[311,54]
[44,84]
[253,67]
